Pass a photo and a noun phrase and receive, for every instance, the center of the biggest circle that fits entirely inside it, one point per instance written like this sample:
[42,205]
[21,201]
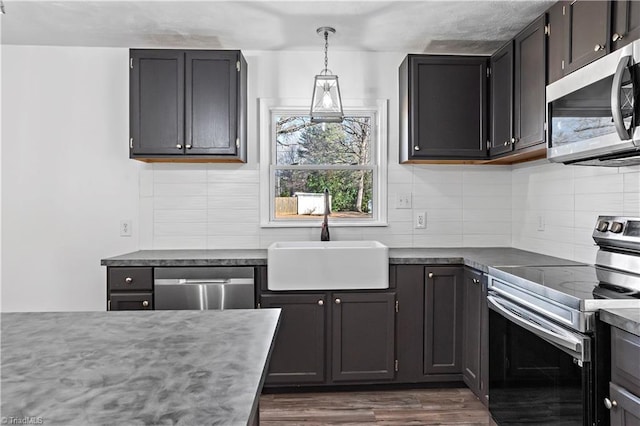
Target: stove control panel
[618,231]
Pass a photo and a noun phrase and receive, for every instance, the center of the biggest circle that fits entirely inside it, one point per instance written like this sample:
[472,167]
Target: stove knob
[616,227]
[603,225]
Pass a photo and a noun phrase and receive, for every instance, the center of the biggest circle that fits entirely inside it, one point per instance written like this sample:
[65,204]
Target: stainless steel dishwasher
[202,288]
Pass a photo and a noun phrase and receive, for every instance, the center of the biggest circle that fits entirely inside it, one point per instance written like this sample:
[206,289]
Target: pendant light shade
[326,103]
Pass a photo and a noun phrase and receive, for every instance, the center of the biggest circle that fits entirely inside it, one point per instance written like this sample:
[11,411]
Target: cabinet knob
[506,143]
[476,281]
[188,146]
[416,148]
[320,302]
[145,303]
[430,274]
[610,403]
[128,280]
[598,47]
[338,301]
[179,146]
[616,37]
[514,140]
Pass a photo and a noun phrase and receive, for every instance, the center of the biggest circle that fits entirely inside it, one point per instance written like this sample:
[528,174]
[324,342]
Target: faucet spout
[324,234]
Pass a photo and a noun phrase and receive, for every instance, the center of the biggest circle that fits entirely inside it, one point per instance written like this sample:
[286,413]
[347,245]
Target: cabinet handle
[430,274]
[616,37]
[598,47]
[179,146]
[128,280]
[416,148]
[321,302]
[145,303]
[188,146]
[476,281]
[610,403]
[338,301]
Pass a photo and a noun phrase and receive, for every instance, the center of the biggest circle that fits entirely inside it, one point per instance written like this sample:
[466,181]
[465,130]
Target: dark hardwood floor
[453,406]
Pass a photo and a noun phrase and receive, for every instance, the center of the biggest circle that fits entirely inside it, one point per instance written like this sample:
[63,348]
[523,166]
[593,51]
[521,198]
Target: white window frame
[270,108]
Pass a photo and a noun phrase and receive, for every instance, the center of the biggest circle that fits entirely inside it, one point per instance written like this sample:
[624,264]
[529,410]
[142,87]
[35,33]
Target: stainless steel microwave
[593,113]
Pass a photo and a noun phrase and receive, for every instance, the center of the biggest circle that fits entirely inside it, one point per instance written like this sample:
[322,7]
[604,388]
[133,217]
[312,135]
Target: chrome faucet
[324,234]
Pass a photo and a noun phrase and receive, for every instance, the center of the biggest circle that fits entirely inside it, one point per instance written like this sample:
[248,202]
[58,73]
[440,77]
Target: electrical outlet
[403,200]
[125,228]
[540,222]
[421,220]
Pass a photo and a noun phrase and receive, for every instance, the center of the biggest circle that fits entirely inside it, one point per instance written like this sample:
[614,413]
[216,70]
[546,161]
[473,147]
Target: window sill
[314,224]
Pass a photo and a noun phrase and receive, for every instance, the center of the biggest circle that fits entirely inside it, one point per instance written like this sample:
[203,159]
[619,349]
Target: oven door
[539,372]
[592,112]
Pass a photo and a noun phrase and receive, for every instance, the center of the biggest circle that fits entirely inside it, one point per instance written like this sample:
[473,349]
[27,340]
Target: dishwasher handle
[200,281]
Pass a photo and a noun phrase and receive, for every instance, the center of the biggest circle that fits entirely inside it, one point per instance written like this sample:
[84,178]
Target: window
[300,159]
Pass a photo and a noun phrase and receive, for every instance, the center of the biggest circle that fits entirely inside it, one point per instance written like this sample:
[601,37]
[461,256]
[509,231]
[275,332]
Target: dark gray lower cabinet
[475,334]
[129,288]
[349,334]
[363,336]
[429,331]
[131,301]
[443,320]
[627,409]
[624,388]
[299,352]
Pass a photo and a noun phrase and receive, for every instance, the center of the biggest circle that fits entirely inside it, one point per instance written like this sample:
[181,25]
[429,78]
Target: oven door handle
[616,107]
[555,335]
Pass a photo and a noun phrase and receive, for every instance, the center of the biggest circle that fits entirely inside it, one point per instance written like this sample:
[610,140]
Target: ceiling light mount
[326,104]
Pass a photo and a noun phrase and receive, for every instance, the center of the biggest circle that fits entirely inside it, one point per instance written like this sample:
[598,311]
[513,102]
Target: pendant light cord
[326,48]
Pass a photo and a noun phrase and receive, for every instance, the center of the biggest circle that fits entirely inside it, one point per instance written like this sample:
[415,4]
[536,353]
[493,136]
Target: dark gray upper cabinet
[530,86]
[363,336]
[556,37]
[625,22]
[587,24]
[501,100]
[443,107]
[298,355]
[188,104]
[443,320]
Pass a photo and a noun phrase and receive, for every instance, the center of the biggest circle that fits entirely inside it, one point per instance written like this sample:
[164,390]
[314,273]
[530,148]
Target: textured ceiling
[400,26]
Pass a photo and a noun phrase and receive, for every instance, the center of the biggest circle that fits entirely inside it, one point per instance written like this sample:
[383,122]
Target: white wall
[66,179]
[569,200]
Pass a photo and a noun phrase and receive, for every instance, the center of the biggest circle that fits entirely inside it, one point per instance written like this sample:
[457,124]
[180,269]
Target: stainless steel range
[546,345]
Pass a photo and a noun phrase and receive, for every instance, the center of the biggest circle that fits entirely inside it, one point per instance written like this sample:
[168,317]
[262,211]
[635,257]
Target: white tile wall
[569,199]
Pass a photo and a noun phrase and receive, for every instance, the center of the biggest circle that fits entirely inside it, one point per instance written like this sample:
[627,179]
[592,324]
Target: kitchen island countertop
[625,319]
[142,367]
[479,258]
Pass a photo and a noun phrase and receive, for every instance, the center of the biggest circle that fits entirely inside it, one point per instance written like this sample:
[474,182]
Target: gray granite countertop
[142,367]
[625,319]
[479,258]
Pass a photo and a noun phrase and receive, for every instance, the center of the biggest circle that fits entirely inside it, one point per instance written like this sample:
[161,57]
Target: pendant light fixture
[326,104]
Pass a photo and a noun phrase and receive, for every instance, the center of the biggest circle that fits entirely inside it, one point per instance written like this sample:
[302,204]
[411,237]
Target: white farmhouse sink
[327,265]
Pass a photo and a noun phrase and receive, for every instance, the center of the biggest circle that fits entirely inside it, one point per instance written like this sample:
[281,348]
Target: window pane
[300,142]
[300,193]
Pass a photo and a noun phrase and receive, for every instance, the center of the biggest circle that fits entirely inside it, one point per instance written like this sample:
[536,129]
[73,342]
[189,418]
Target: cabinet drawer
[131,301]
[625,353]
[130,279]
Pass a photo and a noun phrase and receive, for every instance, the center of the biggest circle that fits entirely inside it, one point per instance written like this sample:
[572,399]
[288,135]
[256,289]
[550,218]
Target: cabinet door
[211,102]
[156,90]
[471,330]
[363,336]
[502,100]
[588,30]
[443,320]
[298,355]
[556,40]
[530,85]
[130,301]
[625,23]
[447,107]
[627,407]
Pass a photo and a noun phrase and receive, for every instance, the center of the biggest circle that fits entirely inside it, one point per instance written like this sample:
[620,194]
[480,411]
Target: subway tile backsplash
[539,206]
